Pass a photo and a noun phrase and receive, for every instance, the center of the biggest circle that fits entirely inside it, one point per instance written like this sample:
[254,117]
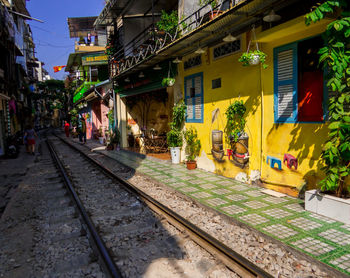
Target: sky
[51,38]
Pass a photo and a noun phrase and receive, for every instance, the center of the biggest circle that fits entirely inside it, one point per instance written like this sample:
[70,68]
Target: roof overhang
[235,20]
[81,26]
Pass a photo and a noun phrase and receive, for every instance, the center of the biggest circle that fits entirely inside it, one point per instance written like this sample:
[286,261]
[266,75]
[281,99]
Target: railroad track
[134,230]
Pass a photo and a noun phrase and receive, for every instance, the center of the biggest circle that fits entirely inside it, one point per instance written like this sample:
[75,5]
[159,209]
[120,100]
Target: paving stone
[313,246]
[221,191]
[216,202]
[254,219]
[177,184]
[336,236]
[186,178]
[239,187]
[198,181]
[255,204]
[277,213]
[322,218]
[226,183]
[233,209]
[189,189]
[346,227]
[280,231]
[295,207]
[207,186]
[201,195]
[275,200]
[236,197]
[202,175]
[171,180]
[304,223]
[342,262]
[254,193]
[213,179]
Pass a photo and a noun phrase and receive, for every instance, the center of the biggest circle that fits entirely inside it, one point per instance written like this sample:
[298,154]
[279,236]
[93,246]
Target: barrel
[242,144]
[216,138]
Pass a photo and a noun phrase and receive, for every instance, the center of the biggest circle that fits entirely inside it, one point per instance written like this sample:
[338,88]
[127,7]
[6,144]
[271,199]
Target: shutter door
[285,83]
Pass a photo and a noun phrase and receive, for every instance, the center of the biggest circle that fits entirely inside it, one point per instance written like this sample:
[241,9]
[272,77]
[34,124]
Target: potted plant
[168,23]
[213,3]
[193,147]
[174,136]
[168,81]
[253,58]
[236,137]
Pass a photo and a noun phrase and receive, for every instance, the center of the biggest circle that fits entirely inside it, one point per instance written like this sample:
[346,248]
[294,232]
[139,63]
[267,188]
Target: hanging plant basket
[252,58]
[168,81]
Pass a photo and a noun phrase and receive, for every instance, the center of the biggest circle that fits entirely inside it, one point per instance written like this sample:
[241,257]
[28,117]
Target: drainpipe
[261,122]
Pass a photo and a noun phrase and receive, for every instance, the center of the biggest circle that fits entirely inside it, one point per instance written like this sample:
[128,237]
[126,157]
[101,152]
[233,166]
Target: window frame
[201,95]
[294,46]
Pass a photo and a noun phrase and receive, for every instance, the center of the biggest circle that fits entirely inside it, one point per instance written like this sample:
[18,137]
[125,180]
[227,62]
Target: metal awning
[235,21]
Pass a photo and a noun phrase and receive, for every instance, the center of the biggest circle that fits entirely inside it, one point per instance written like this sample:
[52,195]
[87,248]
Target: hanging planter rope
[253,57]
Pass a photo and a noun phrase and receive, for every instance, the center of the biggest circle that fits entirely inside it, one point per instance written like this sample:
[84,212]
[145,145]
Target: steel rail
[229,257]
[105,255]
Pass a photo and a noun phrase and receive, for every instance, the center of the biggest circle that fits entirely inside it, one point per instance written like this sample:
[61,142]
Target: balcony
[150,46]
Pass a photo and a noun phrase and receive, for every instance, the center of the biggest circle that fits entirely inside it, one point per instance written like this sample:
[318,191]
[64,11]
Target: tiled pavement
[281,218]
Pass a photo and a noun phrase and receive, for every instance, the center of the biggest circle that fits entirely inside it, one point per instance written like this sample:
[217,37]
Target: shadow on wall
[306,141]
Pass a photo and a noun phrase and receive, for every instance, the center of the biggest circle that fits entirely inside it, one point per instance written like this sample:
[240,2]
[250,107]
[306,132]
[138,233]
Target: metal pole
[114,109]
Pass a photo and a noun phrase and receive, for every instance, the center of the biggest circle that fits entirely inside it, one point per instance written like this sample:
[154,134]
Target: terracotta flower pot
[191,165]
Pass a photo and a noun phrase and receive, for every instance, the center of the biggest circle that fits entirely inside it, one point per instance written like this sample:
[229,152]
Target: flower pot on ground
[193,147]
[174,136]
[175,154]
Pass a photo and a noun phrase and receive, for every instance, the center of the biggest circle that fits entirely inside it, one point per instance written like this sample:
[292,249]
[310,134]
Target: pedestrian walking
[30,136]
[66,128]
[82,134]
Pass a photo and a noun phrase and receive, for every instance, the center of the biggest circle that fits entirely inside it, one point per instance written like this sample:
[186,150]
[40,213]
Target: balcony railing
[151,40]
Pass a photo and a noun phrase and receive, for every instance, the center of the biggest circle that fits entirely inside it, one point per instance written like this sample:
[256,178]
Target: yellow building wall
[302,140]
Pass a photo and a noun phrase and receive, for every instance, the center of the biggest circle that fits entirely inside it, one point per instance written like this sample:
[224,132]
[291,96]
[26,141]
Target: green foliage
[179,113]
[110,48]
[235,120]
[335,58]
[115,136]
[168,81]
[213,3]
[110,115]
[193,144]
[168,22]
[174,136]
[247,57]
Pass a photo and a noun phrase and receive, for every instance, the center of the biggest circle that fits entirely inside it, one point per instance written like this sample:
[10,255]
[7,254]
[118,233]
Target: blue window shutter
[286,84]
[195,103]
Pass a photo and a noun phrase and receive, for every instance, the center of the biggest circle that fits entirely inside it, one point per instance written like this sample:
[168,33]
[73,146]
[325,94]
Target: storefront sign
[92,60]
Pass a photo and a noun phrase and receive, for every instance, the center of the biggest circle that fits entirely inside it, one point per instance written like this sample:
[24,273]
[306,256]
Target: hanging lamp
[141,75]
[157,67]
[177,60]
[229,38]
[272,17]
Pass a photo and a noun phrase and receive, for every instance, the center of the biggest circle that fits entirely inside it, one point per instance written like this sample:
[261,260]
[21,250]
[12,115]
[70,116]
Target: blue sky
[51,38]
